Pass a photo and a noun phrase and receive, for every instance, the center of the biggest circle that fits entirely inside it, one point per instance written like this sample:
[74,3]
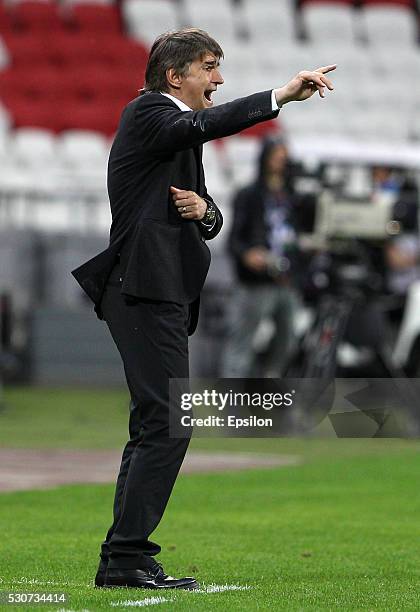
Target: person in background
[402,251]
[263,245]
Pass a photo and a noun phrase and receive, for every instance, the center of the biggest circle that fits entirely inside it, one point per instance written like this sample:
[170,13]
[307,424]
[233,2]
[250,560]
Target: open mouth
[207,95]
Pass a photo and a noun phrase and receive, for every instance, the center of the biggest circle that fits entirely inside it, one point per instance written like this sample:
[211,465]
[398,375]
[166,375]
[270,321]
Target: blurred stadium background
[338,529]
[66,71]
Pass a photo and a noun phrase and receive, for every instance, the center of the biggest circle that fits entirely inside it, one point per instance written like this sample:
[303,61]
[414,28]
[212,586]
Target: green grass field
[338,532]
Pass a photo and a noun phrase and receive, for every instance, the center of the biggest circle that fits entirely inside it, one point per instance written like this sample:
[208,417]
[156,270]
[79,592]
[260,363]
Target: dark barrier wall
[53,330]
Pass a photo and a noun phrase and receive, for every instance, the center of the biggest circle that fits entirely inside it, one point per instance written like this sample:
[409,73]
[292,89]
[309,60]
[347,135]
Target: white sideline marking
[69,610]
[151,601]
[139,603]
[219,588]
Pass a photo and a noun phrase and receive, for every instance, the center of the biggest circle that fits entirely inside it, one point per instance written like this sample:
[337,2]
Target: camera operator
[263,245]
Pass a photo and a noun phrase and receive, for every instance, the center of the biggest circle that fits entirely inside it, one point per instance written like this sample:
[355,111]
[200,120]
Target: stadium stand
[81,149]
[144,19]
[71,66]
[81,58]
[274,23]
[95,18]
[215,16]
[329,23]
[67,69]
[39,17]
[241,155]
[33,147]
[391,25]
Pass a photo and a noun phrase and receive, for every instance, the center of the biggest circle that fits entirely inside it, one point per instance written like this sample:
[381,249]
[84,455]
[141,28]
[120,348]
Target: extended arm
[165,129]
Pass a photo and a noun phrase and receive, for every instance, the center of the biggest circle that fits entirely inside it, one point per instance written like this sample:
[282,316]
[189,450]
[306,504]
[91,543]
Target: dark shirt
[262,219]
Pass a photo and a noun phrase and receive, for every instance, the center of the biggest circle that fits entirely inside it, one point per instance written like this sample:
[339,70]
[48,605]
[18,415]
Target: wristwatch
[210,215]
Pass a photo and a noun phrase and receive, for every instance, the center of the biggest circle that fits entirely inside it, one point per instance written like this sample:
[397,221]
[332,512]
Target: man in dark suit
[147,283]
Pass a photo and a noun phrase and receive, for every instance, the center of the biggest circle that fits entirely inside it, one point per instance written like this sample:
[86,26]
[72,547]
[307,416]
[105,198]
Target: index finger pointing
[326,69]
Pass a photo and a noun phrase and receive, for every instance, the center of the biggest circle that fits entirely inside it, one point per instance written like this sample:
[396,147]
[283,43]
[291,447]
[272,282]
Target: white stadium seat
[217,179]
[215,17]
[33,147]
[390,26]
[242,157]
[146,19]
[4,149]
[318,118]
[285,63]
[282,62]
[329,24]
[215,170]
[414,124]
[31,159]
[385,62]
[377,123]
[271,20]
[80,149]
[240,70]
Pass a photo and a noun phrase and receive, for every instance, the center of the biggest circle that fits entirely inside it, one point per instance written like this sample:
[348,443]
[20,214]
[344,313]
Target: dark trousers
[152,340]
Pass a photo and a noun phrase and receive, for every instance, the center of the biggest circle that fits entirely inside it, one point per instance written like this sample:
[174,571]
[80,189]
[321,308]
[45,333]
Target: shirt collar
[180,104]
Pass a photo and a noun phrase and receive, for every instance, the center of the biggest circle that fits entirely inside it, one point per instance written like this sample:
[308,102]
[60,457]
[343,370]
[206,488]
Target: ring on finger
[184,209]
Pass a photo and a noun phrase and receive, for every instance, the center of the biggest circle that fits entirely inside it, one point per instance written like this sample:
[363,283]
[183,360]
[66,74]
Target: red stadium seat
[50,84]
[46,83]
[120,51]
[26,49]
[83,84]
[98,82]
[8,78]
[5,20]
[66,49]
[29,113]
[95,18]
[10,82]
[75,78]
[113,51]
[116,51]
[100,116]
[36,16]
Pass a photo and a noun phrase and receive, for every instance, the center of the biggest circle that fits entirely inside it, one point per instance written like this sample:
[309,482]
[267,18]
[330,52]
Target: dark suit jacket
[164,257]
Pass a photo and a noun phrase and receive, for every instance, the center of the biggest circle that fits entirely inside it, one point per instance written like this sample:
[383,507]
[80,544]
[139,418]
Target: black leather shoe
[152,577]
[100,574]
